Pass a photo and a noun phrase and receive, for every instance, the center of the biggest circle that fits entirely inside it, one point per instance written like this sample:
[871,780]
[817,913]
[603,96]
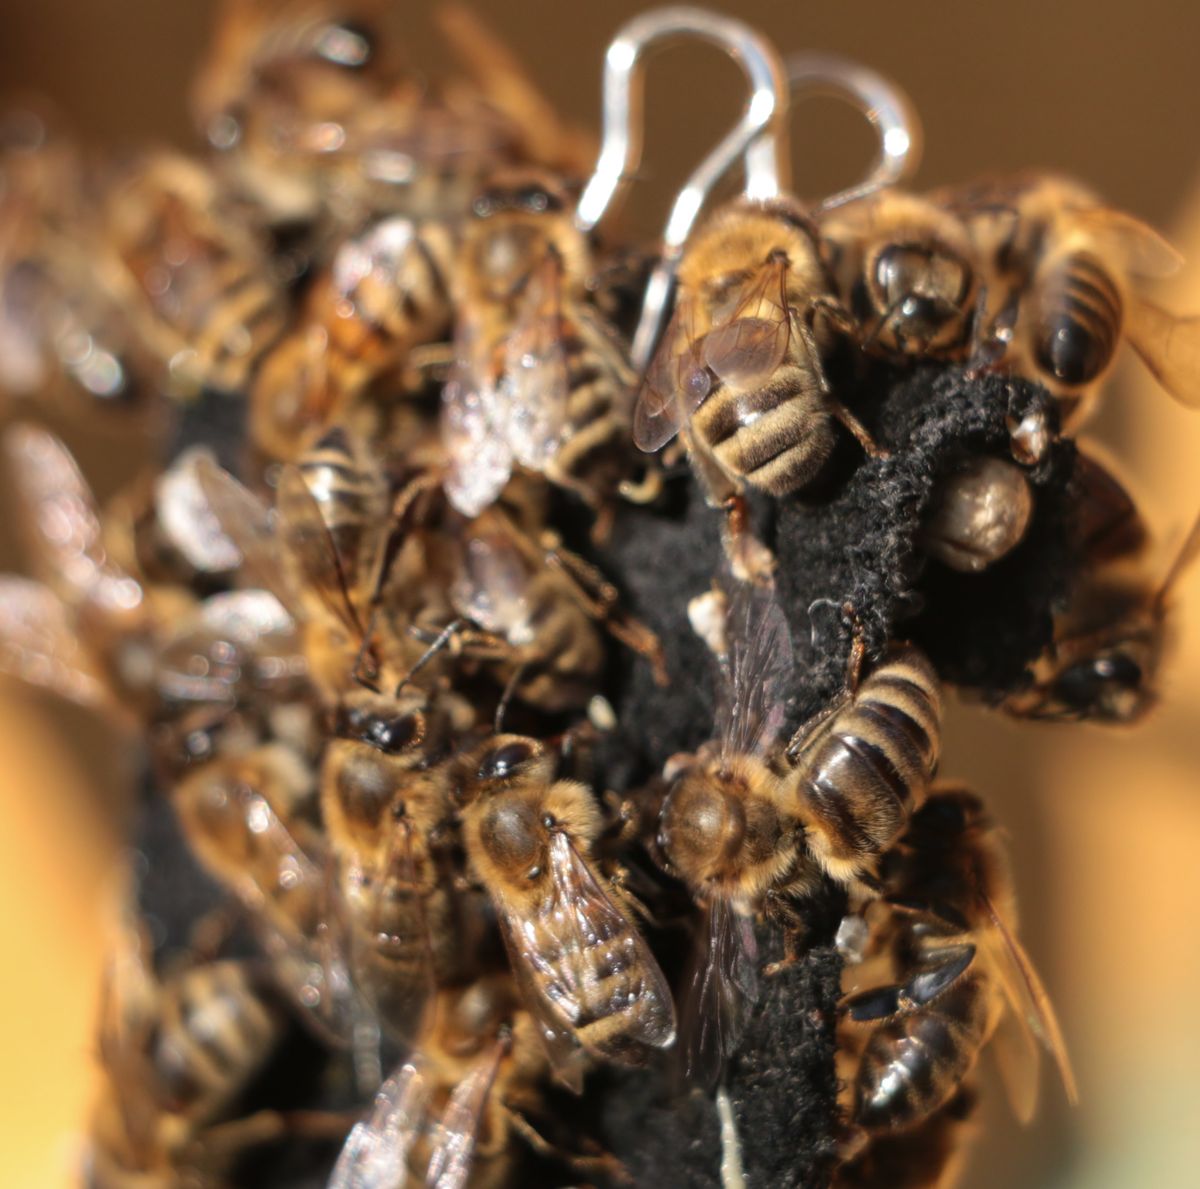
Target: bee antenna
[438,643]
[505,698]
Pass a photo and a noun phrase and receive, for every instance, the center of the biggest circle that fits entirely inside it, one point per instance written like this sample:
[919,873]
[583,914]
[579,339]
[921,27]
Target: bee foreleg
[603,1163]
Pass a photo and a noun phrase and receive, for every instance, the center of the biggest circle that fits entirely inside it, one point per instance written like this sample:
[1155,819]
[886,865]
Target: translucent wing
[535,369]
[311,547]
[491,587]
[188,520]
[756,673]
[474,428]
[375,1155]
[62,511]
[251,526]
[722,992]
[1025,993]
[38,645]
[753,341]
[1142,250]
[458,1132]
[579,940]
[676,382]
[1169,347]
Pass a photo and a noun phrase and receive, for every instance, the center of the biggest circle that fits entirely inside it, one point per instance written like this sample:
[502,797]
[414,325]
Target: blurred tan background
[1105,826]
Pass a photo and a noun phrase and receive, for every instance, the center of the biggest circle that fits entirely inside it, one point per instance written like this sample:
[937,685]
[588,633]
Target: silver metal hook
[755,138]
[889,110]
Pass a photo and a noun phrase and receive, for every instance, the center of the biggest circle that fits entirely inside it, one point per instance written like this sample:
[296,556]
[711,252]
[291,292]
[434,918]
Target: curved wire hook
[755,137]
[889,110]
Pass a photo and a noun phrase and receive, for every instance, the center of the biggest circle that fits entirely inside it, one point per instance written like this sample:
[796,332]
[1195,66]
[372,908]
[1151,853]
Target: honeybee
[728,827]
[861,766]
[198,284]
[1062,275]
[548,607]
[905,268]
[966,980]
[174,1056]
[322,550]
[451,1110]
[1108,647]
[739,368]
[539,380]
[385,803]
[979,514]
[383,292]
[582,968]
[244,816]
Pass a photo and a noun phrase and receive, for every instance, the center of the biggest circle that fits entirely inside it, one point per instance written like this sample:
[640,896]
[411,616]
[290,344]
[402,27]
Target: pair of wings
[507,403]
[491,587]
[376,1152]
[291,551]
[577,913]
[741,349]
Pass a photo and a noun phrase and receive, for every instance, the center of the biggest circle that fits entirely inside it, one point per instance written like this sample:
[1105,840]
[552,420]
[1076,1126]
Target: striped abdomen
[775,436]
[859,780]
[597,452]
[917,1058]
[215,1029]
[1076,320]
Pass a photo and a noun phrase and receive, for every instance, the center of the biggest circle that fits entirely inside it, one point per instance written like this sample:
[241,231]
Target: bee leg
[266,1126]
[604,1163]
[428,364]
[646,490]
[510,690]
[750,559]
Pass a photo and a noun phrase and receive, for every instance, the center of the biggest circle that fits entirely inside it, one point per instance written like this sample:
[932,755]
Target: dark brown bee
[904,266]
[1108,647]
[963,974]
[582,968]
[1061,271]
[864,765]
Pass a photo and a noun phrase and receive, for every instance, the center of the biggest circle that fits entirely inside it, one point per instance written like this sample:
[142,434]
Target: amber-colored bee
[384,292]
[198,284]
[540,380]
[174,1057]
[582,967]
[964,976]
[386,805]
[1108,647]
[1062,272]
[979,513]
[905,268]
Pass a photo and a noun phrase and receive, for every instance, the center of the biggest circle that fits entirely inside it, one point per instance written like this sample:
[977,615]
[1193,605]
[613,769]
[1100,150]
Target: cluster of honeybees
[371,672]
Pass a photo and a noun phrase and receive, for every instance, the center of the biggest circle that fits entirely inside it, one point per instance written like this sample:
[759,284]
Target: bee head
[1110,686]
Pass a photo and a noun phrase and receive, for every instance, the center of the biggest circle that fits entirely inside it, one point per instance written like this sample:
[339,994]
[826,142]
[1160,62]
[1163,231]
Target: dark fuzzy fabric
[851,538]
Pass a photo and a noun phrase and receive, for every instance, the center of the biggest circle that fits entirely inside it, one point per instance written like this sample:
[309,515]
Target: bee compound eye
[1071,353]
[511,836]
[502,762]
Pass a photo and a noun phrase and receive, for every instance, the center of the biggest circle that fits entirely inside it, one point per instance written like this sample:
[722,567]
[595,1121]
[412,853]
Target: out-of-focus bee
[1108,647]
[540,380]
[862,766]
[386,806]
[1061,271]
[728,827]
[548,607]
[174,1056]
[93,633]
[965,979]
[244,816]
[905,268]
[739,368]
[199,286]
[580,963]
[63,336]
[450,1114]
[979,514]
[384,292]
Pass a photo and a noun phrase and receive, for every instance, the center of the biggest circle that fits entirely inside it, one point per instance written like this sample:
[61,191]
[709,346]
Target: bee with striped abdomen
[862,766]
[539,380]
[1062,273]
[582,968]
[965,979]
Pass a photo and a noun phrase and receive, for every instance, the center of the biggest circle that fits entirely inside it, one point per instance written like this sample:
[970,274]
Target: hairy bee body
[859,778]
